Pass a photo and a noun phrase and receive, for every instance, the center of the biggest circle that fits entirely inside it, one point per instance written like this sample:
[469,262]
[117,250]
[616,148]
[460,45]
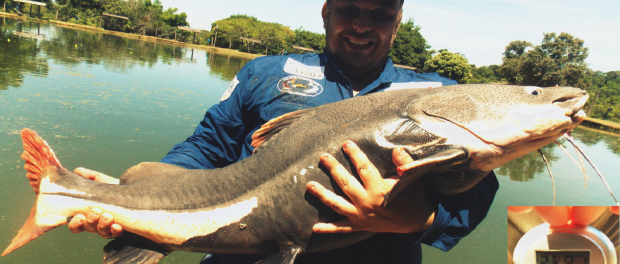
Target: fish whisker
[550,174]
[582,167]
[570,139]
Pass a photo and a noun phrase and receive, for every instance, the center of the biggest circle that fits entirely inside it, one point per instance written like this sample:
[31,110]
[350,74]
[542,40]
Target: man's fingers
[105,223]
[77,224]
[367,171]
[343,226]
[86,173]
[95,176]
[116,230]
[335,202]
[92,220]
[400,157]
[349,184]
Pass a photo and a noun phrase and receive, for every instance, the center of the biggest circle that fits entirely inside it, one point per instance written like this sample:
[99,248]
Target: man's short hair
[330,1]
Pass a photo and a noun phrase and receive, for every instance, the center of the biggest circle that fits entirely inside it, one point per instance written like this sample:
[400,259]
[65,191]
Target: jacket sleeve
[458,215]
[218,139]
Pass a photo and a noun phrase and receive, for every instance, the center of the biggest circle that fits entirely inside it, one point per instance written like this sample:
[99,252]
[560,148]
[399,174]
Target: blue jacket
[268,87]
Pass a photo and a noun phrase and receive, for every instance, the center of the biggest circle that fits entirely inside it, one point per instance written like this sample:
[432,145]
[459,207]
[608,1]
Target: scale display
[562,256]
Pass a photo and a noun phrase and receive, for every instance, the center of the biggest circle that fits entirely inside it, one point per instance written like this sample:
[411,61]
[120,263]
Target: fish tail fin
[38,155]
[29,231]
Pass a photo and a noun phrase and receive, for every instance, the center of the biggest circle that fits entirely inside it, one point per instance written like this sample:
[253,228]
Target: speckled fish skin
[271,185]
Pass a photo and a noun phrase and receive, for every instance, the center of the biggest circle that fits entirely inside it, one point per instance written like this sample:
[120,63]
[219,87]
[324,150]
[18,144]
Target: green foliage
[559,60]
[145,16]
[308,39]
[485,74]
[273,37]
[604,90]
[409,47]
[451,65]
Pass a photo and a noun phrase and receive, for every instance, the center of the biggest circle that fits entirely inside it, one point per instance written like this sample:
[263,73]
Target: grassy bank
[223,51]
[601,124]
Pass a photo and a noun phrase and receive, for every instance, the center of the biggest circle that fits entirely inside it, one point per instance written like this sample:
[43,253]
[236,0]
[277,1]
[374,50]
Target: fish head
[499,123]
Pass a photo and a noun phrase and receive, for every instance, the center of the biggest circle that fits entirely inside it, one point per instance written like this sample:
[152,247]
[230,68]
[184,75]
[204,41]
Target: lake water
[108,103]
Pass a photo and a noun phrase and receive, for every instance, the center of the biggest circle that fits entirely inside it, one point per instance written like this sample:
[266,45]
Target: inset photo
[563,234]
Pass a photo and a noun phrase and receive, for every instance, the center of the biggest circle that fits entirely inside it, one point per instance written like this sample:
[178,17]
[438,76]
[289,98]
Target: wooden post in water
[113,15]
[56,14]
[190,30]
[30,11]
[215,40]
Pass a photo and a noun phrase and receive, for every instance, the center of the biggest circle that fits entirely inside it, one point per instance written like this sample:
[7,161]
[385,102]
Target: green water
[107,103]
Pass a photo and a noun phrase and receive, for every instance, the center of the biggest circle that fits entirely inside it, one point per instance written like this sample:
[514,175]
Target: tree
[409,47]
[450,65]
[559,60]
[308,39]
[170,18]
[485,74]
[511,61]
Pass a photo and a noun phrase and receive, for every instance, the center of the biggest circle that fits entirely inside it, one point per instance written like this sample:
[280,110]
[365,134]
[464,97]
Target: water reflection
[590,137]
[225,66]
[527,167]
[19,56]
[27,47]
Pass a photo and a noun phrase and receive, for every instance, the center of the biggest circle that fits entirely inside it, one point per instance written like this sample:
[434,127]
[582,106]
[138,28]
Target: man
[359,34]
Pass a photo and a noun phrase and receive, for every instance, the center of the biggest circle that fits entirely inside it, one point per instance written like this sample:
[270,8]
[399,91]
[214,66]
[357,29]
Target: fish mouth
[573,104]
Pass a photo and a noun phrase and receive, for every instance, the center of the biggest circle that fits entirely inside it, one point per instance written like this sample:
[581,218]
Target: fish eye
[533,90]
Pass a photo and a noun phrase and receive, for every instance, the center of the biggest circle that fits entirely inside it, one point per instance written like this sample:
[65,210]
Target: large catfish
[455,134]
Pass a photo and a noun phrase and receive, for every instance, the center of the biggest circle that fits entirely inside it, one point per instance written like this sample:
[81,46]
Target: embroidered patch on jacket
[297,68]
[231,88]
[412,85]
[299,86]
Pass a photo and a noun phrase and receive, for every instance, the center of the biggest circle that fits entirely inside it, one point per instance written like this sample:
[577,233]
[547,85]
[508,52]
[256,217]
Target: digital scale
[564,245]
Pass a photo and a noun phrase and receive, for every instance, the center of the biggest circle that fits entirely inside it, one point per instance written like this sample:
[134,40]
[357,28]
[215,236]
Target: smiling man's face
[360,32]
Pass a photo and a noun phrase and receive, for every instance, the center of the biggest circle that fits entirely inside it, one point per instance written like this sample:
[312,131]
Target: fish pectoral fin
[132,248]
[416,169]
[284,256]
[274,126]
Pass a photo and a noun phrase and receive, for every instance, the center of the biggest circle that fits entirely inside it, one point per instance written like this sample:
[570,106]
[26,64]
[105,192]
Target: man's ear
[398,20]
[324,13]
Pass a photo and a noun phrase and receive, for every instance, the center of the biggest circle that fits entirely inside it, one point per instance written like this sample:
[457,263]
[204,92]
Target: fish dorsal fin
[274,126]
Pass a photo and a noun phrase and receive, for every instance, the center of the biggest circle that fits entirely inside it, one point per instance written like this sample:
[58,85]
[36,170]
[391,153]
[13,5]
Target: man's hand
[96,221]
[410,212]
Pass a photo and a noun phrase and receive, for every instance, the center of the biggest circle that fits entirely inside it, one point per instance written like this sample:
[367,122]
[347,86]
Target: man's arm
[218,139]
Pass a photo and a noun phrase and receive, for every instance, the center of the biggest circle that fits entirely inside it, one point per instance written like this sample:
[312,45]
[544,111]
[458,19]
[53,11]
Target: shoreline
[598,124]
[602,125]
[223,51]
